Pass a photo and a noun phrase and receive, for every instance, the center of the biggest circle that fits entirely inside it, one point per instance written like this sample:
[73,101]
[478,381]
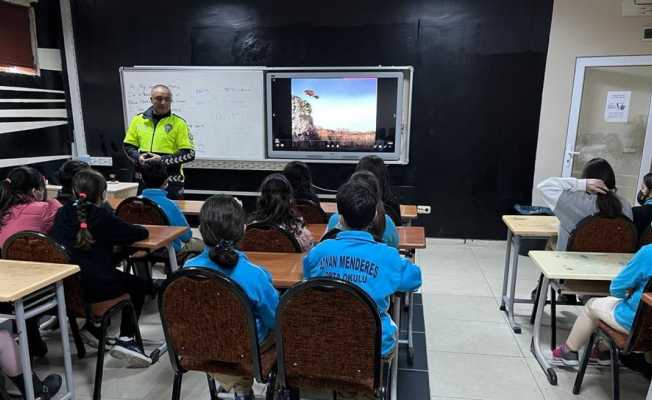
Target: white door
[610,118]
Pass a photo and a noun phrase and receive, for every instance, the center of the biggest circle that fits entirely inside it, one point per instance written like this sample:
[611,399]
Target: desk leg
[506,273]
[25,361]
[396,316]
[63,327]
[512,286]
[173,258]
[536,337]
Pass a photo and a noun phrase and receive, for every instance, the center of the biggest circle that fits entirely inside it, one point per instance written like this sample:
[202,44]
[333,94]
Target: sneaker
[127,349]
[49,387]
[249,396]
[565,355]
[602,358]
[89,338]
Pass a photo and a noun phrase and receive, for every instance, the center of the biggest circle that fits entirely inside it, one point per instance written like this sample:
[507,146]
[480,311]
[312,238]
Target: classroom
[281,200]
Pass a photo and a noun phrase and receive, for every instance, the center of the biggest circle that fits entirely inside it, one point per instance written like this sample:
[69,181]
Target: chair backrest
[37,246]
[604,235]
[640,337]
[328,336]
[271,238]
[139,210]
[311,212]
[646,236]
[209,324]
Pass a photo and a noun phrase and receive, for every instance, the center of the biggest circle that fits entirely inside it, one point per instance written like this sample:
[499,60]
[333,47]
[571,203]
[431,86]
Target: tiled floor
[471,351]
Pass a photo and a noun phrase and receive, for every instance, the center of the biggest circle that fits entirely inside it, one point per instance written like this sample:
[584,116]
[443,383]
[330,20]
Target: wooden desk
[190,207]
[162,237]
[408,211]
[115,191]
[573,266]
[286,268]
[18,281]
[530,226]
[409,237]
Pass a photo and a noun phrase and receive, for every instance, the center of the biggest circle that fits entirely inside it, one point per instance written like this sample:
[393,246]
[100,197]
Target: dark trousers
[119,284]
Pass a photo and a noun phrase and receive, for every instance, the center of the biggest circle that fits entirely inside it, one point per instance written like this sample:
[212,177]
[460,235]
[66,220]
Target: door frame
[581,64]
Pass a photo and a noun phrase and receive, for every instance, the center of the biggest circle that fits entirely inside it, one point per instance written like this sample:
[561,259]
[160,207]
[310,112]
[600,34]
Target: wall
[34,109]
[479,68]
[579,28]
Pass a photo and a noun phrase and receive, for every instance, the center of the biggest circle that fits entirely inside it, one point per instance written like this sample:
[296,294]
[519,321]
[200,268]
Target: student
[382,228]
[275,206]
[65,175]
[298,174]
[617,310]
[222,224]
[376,166]
[385,271]
[155,180]
[643,214]
[23,205]
[572,200]
[10,366]
[88,232]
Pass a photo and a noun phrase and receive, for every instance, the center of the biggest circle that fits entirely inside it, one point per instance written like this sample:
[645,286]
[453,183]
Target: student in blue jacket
[155,180]
[355,256]
[222,224]
[382,227]
[617,310]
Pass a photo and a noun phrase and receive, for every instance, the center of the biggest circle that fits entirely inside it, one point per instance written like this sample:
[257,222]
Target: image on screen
[336,112]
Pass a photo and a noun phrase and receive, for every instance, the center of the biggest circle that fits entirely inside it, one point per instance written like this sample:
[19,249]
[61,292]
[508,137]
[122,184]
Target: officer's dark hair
[377,228]
[221,223]
[17,188]
[154,173]
[275,206]
[67,171]
[300,178]
[88,187]
[356,203]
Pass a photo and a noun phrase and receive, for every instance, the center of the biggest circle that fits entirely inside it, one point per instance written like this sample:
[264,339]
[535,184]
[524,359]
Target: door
[610,118]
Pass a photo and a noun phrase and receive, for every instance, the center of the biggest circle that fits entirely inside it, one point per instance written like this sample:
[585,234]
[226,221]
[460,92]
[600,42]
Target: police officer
[157,133]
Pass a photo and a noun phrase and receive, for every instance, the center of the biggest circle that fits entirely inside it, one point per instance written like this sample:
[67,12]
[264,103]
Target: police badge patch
[168,128]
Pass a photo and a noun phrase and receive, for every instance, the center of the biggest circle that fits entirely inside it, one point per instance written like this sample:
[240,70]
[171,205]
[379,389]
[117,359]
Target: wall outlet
[423,209]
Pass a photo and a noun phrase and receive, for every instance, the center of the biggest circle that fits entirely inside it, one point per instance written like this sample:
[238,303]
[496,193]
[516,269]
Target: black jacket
[642,217]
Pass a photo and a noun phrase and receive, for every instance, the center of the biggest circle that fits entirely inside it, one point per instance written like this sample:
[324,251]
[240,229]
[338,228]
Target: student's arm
[633,274]
[390,236]
[552,188]
[49,212]
[176,218]
[308,263]
[186,152]
[305,239]
[410,276]
[267,302]
[121,232]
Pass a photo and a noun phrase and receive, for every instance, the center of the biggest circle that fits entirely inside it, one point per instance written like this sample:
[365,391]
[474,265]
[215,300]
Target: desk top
[409,237]
[159,236]
[111,187]
[532,225]
[286,268]
[408,211]
[580,265]
[21,278]
[190,207]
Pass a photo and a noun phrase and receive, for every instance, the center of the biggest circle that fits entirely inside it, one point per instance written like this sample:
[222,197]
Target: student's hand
[596,186]
[153,157]
[142,158]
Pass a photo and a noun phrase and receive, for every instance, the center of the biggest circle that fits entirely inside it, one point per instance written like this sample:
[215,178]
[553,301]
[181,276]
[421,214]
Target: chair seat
[618,337]
[101,308]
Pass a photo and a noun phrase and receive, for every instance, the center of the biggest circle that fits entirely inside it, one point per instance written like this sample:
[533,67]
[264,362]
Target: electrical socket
[423,209]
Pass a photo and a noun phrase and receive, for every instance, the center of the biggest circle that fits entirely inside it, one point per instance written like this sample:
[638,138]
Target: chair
[36,246]
[311,212]
[270,238]
[210,326]
[638,340]
[345,355]
[592,234]
[646,237]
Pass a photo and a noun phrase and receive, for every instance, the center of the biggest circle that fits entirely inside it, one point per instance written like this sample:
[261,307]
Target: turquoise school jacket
[377,268]
[256,282]
[634,276]
[390,236]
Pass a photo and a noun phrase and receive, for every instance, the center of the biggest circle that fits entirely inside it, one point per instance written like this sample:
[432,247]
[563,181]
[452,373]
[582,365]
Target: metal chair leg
[615,370]
[176,388]
[409,297]
[585,362]
[212,388]
[99,366]
[79,343]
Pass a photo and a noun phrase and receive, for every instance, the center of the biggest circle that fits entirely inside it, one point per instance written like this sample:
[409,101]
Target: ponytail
[609,205]
[84,239]
[224,254]
[377,228]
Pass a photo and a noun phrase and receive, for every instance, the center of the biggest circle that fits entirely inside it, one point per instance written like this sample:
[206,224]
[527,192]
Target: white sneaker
[129,350]
[91,340]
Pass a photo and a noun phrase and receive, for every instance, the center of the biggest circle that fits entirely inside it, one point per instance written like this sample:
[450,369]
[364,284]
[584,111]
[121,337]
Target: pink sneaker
[565,355]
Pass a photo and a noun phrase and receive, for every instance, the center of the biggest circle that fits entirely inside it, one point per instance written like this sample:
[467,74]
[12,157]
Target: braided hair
[88,189]
[17,188]
[221,223]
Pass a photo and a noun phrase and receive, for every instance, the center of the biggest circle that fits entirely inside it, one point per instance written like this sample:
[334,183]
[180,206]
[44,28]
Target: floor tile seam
[516,357]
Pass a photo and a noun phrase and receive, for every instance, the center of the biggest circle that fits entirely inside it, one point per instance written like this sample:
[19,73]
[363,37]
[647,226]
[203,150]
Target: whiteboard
[223,107]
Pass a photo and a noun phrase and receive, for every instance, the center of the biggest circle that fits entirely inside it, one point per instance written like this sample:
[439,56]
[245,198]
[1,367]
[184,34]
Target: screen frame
[334,156]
